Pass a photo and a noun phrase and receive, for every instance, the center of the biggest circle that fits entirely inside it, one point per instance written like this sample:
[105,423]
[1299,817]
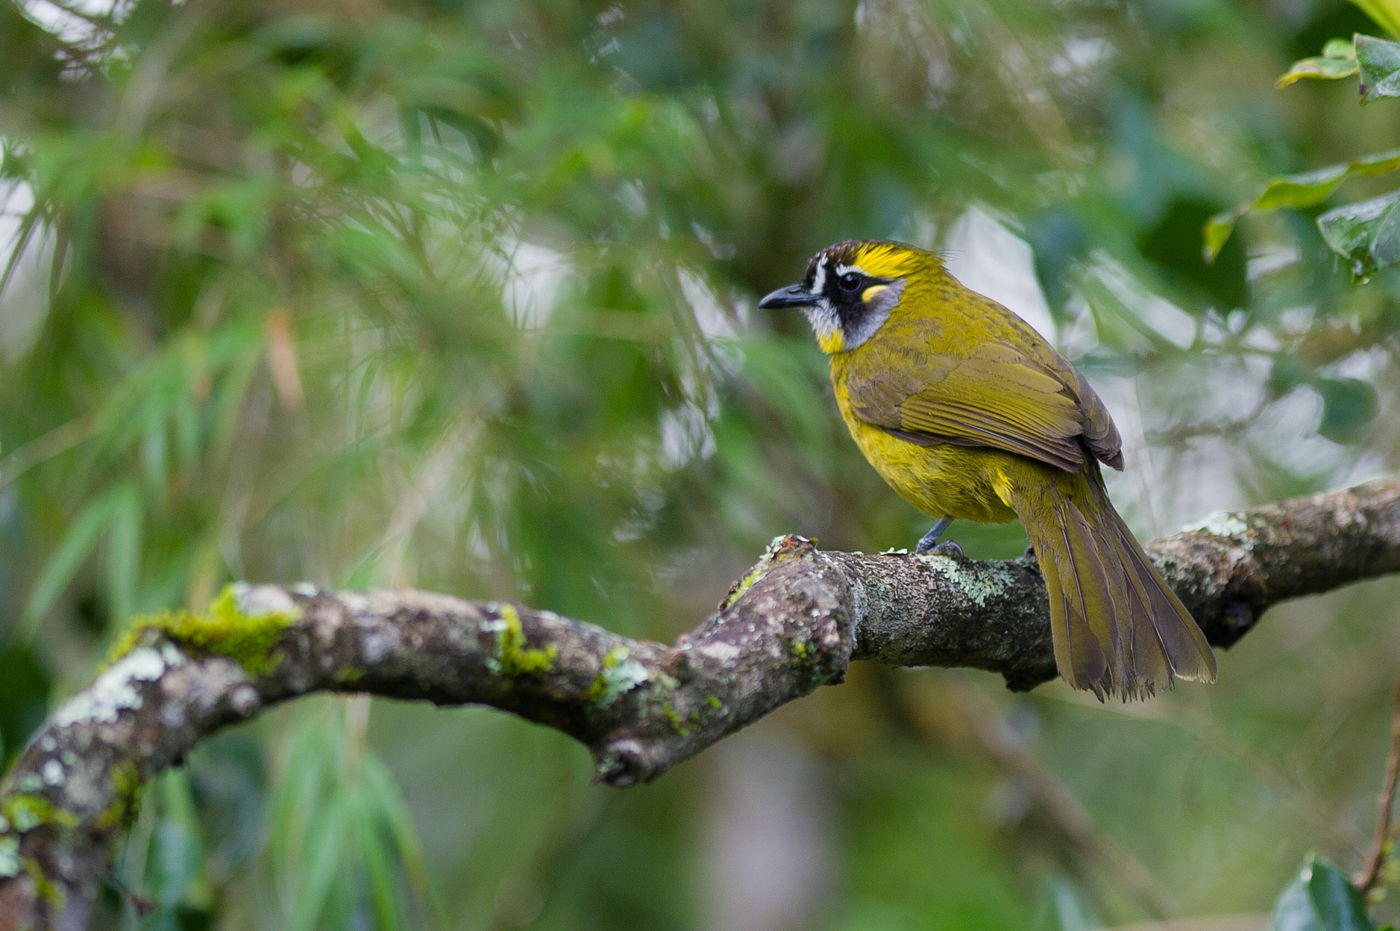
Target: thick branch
[793,623]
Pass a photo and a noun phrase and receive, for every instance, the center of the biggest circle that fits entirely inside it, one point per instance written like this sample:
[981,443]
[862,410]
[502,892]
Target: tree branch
[793,623]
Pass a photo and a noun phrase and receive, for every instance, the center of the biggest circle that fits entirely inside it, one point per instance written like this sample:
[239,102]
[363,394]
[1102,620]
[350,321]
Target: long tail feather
[1116,626]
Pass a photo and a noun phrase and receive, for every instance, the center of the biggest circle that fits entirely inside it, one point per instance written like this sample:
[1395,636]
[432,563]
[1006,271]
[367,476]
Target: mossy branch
[794,622]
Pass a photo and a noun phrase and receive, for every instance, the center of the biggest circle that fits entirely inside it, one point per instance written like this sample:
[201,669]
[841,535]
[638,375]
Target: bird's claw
[946,548]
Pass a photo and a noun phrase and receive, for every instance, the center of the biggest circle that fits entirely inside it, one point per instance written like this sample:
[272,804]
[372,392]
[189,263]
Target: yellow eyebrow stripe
[880,260]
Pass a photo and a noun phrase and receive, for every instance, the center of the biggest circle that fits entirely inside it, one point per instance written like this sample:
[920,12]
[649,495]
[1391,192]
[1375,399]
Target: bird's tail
[1117,627]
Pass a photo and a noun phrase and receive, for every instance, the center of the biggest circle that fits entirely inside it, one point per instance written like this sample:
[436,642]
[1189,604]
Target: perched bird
[970,414]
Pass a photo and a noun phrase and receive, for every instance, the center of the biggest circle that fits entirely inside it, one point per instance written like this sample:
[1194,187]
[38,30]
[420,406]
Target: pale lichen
[9,856]
[114,691]
[1221,524]
[619,675]
[980,581]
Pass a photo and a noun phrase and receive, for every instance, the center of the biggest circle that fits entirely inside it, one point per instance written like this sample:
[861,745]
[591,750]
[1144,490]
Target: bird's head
[851,288]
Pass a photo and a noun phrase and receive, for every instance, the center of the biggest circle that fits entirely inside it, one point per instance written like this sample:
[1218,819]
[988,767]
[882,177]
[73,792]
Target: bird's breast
[942,480]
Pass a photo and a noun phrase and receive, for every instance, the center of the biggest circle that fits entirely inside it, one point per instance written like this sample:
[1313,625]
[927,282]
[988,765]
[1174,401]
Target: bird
[970,414]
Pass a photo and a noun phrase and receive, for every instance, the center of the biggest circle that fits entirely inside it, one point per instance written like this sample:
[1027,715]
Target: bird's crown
[876,258]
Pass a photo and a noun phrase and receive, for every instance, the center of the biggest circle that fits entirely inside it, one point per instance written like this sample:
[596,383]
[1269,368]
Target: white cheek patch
[825,322]
[819,277]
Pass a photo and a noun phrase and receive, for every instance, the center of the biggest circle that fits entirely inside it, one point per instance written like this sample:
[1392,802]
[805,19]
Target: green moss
[126,794]
[781,548]
[673,718]
[48,891]
[25,812]
[349,675]
[714,702]
[517,659]
[247,637]
[744,584]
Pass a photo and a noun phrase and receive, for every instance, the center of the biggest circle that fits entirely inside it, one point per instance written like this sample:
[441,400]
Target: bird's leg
[928,543]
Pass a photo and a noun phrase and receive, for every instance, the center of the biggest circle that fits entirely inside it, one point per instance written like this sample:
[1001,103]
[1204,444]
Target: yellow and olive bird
[970,414]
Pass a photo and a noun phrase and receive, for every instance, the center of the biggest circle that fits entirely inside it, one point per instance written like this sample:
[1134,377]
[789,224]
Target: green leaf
[177,861]
[380,876]
[1366,234]
[1348,405]
[1318,68]
[328,847]
[1384,12]
[72,551]
[1321,898]
[1379,63]
[123,552]
[1305,189]
[1308,188]
[1338,60]
[1340,48]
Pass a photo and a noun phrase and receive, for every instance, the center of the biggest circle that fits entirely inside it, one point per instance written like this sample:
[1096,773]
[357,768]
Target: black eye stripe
[850,281]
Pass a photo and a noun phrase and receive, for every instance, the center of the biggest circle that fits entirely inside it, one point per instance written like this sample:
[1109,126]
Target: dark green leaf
[1305,189]
[23,684]
[1367,234]
[1172,245]
[177,849]
[1287,373]
[1320,898]
[1378,60]
[1348,404]
[70,554]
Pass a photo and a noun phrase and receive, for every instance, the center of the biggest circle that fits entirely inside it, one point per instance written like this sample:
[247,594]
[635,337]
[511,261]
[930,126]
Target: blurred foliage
[458,295]
[1322,898]
[1366,234]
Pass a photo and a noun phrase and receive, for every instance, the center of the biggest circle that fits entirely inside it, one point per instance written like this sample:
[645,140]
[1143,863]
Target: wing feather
[998,396]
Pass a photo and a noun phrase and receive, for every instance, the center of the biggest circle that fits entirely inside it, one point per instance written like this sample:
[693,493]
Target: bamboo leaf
[72,551]
[124,552]
[324,863]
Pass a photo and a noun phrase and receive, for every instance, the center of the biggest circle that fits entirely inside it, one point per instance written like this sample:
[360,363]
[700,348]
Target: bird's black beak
[792,296]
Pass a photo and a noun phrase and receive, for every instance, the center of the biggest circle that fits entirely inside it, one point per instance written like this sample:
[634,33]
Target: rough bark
[793,623]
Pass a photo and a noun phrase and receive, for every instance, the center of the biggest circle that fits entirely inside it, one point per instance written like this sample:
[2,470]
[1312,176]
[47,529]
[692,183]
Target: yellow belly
[961,482]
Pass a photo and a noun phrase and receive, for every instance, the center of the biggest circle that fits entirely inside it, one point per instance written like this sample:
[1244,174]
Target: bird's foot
[928,543]
[946,548]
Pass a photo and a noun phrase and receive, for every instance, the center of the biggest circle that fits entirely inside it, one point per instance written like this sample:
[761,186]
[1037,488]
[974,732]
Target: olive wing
[999,397]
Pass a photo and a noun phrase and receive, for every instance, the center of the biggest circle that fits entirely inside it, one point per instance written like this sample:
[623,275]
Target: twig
[1381,848]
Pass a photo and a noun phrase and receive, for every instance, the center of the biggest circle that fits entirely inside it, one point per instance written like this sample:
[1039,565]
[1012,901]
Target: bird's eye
[849,281]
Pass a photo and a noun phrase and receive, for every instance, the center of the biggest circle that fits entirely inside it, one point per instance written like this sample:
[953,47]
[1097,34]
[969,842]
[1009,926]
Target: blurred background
[461,296]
